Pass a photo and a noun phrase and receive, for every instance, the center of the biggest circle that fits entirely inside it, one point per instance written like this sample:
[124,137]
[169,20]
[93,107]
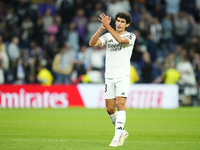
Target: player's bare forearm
[94,41]
[117,37]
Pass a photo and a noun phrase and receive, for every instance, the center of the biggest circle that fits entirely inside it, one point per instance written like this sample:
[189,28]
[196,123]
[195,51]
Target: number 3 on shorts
[105,87]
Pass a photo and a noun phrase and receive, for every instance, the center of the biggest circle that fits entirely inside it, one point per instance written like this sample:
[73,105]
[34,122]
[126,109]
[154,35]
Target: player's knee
[110,110]
[120,106]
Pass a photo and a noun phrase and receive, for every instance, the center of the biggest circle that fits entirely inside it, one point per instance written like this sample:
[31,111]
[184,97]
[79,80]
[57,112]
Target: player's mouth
[119,27]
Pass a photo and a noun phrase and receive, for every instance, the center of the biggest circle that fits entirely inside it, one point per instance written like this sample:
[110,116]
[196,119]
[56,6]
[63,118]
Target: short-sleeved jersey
[118,55]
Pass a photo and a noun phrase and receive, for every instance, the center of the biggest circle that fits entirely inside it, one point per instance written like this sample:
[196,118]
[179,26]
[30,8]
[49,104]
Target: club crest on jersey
[129,36]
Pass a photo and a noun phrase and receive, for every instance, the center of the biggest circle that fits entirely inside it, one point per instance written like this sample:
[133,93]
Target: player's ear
[127,25]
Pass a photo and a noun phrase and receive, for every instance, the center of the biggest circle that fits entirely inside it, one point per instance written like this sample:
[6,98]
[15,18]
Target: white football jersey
[118,55]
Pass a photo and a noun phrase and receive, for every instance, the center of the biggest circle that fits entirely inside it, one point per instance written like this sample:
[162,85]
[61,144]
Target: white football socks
[113,118]
[119,118]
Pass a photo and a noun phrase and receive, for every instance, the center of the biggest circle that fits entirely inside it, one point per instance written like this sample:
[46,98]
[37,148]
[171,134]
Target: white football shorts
[115,87]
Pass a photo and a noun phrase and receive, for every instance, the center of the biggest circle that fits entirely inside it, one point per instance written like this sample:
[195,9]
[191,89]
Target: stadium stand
[33,32]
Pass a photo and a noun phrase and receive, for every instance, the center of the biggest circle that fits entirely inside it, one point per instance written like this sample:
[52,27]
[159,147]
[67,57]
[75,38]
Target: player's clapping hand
[105,20]
[102,27]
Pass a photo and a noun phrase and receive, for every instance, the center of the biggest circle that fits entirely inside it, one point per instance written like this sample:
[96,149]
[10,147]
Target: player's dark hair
[125,16]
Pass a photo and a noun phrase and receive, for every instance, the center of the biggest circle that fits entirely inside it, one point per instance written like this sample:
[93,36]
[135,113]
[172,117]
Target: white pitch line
[44,140]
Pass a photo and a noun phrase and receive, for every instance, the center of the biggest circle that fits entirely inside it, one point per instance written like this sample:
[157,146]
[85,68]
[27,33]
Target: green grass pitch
[91,129]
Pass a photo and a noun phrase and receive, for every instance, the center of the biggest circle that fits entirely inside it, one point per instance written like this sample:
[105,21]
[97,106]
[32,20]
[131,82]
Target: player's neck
[120,32]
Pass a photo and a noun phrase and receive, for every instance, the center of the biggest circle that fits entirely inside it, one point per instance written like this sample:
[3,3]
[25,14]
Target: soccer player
[119,45]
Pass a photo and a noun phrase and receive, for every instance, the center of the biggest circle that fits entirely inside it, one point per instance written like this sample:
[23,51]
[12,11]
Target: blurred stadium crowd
[46,41]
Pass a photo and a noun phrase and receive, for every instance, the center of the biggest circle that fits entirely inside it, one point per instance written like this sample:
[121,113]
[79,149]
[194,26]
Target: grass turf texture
[91,129]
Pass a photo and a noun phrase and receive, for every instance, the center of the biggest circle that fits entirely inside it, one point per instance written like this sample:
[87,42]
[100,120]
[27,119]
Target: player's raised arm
[95,41]
[105,20]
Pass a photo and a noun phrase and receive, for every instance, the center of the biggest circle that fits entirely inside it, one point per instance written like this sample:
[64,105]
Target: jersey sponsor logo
[115,47]
[111,40]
